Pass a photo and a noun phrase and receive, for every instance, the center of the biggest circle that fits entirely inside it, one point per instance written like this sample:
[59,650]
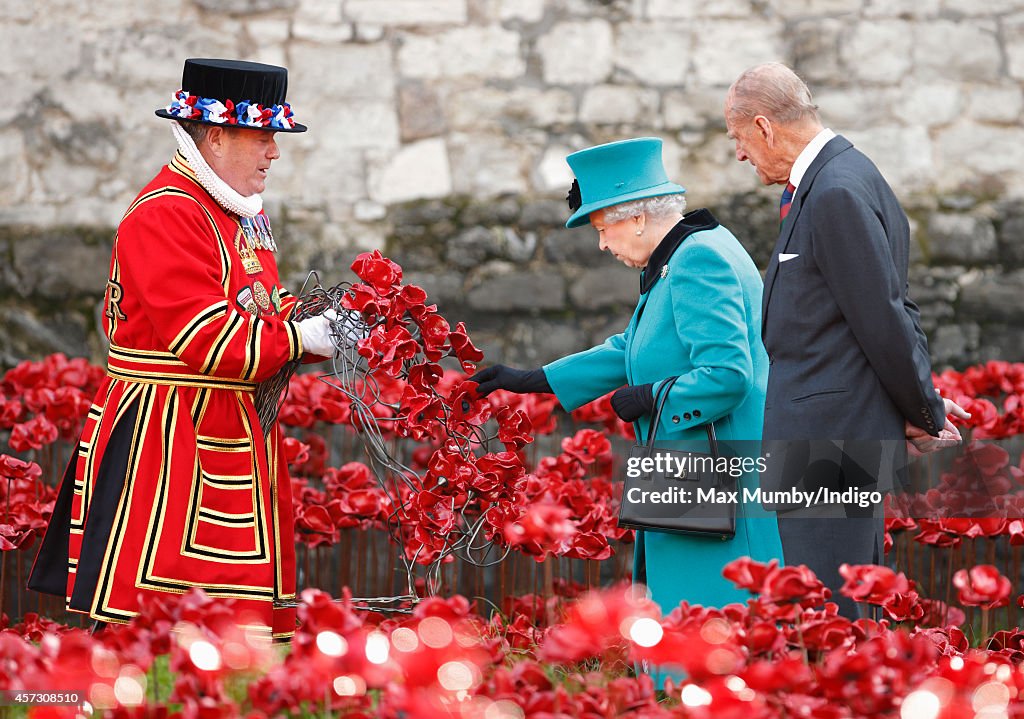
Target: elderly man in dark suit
[849,364]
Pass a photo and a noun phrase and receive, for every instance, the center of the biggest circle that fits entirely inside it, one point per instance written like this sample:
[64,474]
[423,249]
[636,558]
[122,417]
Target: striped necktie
[787,201]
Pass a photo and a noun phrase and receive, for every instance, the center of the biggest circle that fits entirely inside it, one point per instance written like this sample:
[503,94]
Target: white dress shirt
[806,157]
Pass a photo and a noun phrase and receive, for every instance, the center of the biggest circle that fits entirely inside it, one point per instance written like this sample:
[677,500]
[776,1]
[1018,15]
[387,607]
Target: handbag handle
[659,405]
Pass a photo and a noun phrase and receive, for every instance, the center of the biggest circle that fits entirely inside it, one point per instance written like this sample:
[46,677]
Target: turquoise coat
[700,320]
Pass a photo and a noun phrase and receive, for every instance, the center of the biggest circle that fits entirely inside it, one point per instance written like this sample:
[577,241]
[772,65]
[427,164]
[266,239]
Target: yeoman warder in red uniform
[174,485]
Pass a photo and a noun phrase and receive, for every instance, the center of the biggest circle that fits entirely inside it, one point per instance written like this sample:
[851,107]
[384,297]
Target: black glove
[633,402]
[520,381]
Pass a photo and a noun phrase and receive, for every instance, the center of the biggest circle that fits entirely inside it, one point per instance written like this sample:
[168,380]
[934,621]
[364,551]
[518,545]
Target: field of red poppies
[499,546]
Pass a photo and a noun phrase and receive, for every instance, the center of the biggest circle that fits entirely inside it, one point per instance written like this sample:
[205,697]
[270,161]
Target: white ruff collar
[225,196]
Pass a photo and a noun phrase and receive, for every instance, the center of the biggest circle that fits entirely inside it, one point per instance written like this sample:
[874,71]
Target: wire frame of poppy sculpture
[460,504]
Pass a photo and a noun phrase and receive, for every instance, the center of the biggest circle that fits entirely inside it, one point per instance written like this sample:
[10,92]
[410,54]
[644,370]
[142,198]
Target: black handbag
[700,499]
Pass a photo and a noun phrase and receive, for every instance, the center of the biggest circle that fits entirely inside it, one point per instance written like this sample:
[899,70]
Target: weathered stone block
[418,214]
[653,53]
[528,11]
[935,286]
[1004,342]
[578,246]
[929,104]
[990,7]
[485,165]
[961,239]
[14,181]
[323,12]
[856,107]
[537,342]
[699,109]
[524,342]
[518,247]
[995,103]
[965,158]
[152,57]
[471,247]
[368,211]
[977,57]
[62,263]
[901,8]
[490,212]
[903,154]
[1011,238]
[333,175]
[692,9]
[605,287]
[1013,44]
[342,73]
[615,325]
[615,104]
[544,214]
[478,109]
[367,32]
[711,175]
[20,94]
[576,52]
[417,171]
[552,173]
[419,111]
[27,335]
[515,290]
[61,183]
[341,124]
[995,298]
[407,12]
[816,48]
[810,8]
[93,211]
[443,288]
[951,345]
[318,32]
[753,219]
[244,7]
[32,60]
[878,51]
[491,52]
[272,30]
[16,10]
[725,48]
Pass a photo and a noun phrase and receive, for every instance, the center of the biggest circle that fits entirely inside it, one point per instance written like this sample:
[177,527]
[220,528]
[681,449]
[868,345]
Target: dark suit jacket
[847,357]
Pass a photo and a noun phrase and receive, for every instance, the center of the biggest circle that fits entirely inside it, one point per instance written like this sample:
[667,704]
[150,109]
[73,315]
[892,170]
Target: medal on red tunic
[266,236]
[262,296]
[244,243]
[246,300]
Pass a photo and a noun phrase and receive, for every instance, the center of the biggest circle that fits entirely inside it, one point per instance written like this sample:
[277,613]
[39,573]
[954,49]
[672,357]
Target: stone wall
[439,128]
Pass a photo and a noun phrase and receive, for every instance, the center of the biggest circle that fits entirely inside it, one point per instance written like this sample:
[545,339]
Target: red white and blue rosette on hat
[228,112]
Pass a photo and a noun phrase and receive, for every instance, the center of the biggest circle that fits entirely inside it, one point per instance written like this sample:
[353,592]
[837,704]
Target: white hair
[773,90]
[660,206]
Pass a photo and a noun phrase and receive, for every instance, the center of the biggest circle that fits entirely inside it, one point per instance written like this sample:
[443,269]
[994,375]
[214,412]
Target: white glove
[316,336]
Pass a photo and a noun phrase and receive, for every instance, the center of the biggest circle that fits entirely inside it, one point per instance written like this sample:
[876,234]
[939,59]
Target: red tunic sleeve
[174,262]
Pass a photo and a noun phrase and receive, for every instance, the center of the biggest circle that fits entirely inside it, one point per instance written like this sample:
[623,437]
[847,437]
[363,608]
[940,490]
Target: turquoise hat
[614,173]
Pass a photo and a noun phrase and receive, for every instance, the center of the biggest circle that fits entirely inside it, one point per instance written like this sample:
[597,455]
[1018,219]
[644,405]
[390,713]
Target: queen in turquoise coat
[699,318]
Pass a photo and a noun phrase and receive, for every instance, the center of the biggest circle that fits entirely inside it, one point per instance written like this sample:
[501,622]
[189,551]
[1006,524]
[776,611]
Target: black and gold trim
[164,368]
[227,333]
[201,319]
[108,511]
